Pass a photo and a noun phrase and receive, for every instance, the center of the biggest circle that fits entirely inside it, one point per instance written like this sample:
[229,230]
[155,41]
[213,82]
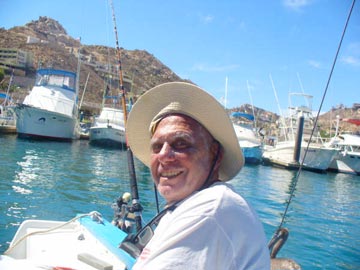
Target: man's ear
[217,153]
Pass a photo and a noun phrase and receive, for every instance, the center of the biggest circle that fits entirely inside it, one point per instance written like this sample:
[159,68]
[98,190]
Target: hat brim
[197,104]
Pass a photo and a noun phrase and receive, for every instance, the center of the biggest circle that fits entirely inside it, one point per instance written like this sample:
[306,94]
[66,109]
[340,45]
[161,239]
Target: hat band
[172,108]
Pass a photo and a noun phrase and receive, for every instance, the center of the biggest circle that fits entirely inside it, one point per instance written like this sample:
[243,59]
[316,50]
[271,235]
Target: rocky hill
[51,46]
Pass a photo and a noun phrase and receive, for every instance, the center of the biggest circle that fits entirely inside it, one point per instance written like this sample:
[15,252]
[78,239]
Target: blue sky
[246,41]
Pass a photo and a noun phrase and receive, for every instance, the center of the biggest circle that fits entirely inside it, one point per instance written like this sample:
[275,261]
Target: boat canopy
[111,116]
[55,77]
[243,115]
[54,91]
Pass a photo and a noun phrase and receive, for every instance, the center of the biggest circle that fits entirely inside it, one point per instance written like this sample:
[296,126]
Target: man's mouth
[170,174]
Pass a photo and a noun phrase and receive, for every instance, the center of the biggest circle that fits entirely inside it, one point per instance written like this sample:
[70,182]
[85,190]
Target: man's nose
[166,152]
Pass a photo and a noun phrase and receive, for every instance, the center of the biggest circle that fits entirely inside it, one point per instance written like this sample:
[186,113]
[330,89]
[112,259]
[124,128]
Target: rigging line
[293,187]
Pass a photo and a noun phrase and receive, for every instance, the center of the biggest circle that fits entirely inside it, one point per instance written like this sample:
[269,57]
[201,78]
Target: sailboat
[245,128]
[50,110]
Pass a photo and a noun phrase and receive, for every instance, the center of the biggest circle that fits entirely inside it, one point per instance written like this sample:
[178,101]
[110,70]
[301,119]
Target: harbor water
[56,181]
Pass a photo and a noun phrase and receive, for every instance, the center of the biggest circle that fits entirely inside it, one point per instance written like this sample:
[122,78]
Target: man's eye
[180,144]
[155,148]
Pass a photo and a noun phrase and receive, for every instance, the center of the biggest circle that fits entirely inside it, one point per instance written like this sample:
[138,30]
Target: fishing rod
[293,187]
[136,207]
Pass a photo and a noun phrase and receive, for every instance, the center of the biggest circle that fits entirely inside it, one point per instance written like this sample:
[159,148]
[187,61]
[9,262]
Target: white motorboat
[317,159]
[250,143]
[295,145]
[348,158]
[90,242]
[86,242]
[50,110]
[108,128]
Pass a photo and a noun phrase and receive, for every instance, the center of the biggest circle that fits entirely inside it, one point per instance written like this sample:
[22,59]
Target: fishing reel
[124,217]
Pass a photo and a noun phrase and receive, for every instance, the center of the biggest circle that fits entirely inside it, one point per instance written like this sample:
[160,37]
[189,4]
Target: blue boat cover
[3,95]
[56,72]
[110,236]
[244,115]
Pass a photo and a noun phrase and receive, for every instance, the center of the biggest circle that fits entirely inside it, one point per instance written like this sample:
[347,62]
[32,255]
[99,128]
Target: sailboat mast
[252,104]
[77,83]
[83,93]
[278,104]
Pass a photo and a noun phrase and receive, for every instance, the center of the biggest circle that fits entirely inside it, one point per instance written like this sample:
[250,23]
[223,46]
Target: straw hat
[190,100]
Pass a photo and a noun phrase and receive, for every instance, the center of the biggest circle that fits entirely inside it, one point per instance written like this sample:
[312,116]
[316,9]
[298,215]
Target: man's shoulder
[209,201]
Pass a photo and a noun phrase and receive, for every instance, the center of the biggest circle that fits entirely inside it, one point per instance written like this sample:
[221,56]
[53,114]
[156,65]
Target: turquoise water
[50,180]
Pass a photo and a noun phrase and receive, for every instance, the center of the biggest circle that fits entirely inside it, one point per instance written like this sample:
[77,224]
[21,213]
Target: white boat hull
[35,122]
[346,163]
[250,144]
[348,158]
[108,128]
[317,158]
[82,244]
[107,135]
[50,110]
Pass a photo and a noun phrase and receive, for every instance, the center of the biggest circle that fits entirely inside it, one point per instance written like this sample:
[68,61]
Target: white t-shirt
[212,229]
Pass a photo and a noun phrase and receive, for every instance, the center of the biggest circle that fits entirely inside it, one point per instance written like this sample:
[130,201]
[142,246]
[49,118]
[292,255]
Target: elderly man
[187,140]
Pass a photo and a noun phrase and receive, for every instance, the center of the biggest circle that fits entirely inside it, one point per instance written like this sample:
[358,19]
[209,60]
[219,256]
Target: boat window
[60,80]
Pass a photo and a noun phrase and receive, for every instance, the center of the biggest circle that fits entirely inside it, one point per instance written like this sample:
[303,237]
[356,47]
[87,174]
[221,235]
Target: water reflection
[26,173]
[59,180]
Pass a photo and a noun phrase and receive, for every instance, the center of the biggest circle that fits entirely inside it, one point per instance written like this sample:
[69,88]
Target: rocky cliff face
[47,25]
[51,46]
